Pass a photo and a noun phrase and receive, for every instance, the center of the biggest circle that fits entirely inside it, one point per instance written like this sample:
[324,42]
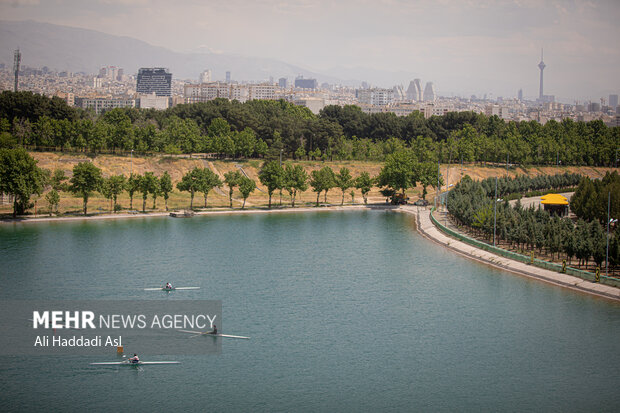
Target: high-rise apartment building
[204,92]
[228,78]
[429,92]
[205,77]
[613,101]
[377,97]
[154,80]
[263,91]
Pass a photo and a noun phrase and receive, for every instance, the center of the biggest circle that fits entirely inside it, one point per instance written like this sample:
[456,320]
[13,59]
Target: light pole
[507,162]
[438,186]
[447,187]
[607,238]
[281,156]
[495,211]
[131,170]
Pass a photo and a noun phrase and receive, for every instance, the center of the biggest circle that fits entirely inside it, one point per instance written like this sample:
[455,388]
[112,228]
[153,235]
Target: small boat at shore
[182,214]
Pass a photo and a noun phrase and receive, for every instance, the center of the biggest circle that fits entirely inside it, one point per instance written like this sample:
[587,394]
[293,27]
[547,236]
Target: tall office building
[429,92]
[414,91]
[418,84]
[282,82]
[399,93]
[205,77]
[228,77]
[541,66]
[154,80]
[520,95]
[302,83]
[613,101]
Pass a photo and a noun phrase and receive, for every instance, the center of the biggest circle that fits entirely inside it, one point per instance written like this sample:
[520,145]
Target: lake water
[347,311]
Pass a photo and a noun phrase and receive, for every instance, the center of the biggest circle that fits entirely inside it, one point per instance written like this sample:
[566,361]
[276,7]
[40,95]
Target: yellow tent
[553,199]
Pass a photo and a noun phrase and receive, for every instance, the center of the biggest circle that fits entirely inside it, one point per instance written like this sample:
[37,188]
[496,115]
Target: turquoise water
[348,311]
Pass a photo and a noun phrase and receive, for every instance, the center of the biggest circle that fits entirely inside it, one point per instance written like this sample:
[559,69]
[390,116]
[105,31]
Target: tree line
[594,198]
[471,204]
[21,178]
[269,128]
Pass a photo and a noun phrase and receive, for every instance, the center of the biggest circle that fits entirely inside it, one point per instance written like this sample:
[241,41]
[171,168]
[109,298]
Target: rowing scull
[208,333]
[171,289]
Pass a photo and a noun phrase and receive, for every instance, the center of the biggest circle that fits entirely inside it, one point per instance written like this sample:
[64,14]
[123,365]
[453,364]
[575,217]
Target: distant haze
[465,47]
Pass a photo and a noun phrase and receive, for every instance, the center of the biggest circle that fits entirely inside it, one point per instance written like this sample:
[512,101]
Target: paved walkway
[430,231]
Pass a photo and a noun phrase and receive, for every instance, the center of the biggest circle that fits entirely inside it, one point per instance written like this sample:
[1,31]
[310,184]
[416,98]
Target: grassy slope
[177,167]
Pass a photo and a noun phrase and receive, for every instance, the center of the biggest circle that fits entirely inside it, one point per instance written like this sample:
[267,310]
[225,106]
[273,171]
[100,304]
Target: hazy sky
[464,47]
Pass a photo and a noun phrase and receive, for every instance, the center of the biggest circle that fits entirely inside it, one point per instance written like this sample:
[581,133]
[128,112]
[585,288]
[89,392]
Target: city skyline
[475,47]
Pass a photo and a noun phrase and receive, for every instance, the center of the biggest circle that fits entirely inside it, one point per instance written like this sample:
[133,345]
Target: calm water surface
[348,311]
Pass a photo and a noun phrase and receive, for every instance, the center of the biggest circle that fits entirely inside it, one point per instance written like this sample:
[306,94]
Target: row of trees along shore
[471,205]
[266,129]
[22,178]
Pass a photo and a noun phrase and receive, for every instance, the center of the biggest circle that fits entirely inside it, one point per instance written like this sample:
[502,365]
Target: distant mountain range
[80,50]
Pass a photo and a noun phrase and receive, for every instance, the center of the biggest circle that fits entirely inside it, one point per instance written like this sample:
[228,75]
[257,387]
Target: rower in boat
[214,329]
[135,359]
[168,286]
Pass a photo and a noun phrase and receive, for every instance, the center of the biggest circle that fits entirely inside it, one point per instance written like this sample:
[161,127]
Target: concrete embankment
[429,230]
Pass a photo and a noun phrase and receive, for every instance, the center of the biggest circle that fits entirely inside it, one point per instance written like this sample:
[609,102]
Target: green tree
[364,183]
[329,180]
[296,179]
[116,184]
[106,191]
[427,174]
[86,179]
[190,183]
[399,171]
[133,186]
[165,187]
[148,185]
[321,180]
[300,153]
[21,177]
[344,181]
[261,148]
[232,179]
[207,181]
[272,176]
[245,142]
[58,180]
[246,187]
[53,199]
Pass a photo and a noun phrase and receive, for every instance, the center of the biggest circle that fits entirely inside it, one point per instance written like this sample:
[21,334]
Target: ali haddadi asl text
[78,341]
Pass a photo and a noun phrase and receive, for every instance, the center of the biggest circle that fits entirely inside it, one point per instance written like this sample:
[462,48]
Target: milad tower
[541,66]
